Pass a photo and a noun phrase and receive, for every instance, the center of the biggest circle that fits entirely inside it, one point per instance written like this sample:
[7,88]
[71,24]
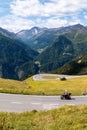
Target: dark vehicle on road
[66,95]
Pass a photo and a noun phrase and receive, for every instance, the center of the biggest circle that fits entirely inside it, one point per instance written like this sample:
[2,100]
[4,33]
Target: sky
[16,15]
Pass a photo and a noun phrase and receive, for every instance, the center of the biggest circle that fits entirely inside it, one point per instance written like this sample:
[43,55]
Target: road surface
[42,76]
[21,103]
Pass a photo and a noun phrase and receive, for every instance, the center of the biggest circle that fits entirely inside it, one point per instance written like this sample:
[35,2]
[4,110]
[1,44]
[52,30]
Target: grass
[49,77]
[64,118]
[48,87]
[56,87]
[13,86]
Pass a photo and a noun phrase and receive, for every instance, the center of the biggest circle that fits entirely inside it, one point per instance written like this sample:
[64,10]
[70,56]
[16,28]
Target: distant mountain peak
[38,29]
[78,26]
[30,32]
[35,30]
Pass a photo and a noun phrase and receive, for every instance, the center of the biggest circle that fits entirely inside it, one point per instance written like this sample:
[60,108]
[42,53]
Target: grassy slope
[49,87]
[64,118]
[55,87]
[13,86]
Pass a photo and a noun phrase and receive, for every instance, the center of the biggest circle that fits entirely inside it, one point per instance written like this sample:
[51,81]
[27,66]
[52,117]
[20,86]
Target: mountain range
[37,49]
[40,38]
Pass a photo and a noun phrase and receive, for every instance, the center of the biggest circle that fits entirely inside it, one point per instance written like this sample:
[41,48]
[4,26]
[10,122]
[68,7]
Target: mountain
[40,38]
[7,33]
[56,55]
[76,67]
[28,33]
[57,46]
[13,55]
[64,49]
[28,36]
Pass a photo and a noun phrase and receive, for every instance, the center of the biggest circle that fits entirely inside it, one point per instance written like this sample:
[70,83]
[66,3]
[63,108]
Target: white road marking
[50,106]
[16,102]
[35,103]
[46,106]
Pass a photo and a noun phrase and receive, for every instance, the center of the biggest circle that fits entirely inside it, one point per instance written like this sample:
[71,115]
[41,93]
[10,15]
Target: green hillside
[64,49]
[13,55]
[76,67]
[56,55]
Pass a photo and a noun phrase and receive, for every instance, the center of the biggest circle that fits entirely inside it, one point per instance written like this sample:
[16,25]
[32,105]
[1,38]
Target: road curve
[40,76]
[21,103]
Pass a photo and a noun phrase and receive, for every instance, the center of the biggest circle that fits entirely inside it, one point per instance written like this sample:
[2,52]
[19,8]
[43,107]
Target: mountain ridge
[45,36]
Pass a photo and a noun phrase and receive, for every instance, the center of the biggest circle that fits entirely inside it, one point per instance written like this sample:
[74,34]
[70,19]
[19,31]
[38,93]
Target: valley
[20,57]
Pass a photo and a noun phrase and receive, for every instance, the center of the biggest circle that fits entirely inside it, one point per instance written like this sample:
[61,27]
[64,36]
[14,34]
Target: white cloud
[27,8]
[75,22]
[54,23]
[15,23]
[85,17]
[25,14]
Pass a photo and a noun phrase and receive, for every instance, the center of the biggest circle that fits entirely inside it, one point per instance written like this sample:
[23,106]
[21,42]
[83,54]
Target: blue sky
[16,15]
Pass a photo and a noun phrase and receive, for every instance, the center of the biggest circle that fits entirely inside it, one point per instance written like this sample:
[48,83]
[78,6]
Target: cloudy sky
[16,15]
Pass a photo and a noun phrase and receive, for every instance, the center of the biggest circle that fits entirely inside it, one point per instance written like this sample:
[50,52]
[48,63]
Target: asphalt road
[40,76]
[21,103]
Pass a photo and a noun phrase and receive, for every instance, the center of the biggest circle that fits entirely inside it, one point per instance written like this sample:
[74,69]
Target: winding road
[43,76]
[21,103]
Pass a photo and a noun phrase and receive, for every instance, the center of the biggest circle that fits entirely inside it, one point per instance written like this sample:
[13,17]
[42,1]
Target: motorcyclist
[84,92]
[66,92]
[66,95]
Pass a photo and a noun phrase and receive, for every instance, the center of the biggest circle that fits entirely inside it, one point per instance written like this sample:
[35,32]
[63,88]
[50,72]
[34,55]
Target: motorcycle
[66,96]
